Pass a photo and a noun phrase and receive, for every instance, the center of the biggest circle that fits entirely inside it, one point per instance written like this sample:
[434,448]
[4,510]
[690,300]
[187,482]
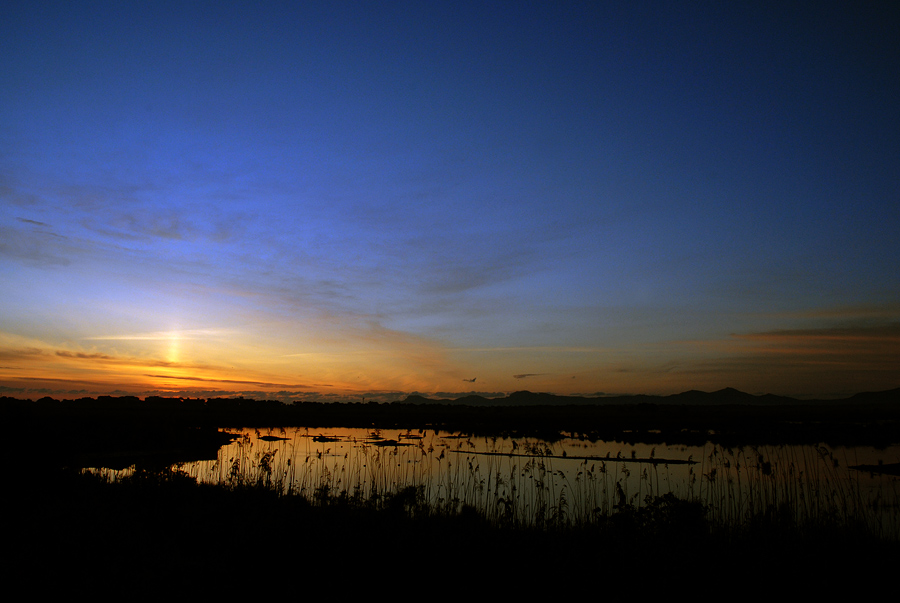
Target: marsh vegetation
[324,494]
[527,483]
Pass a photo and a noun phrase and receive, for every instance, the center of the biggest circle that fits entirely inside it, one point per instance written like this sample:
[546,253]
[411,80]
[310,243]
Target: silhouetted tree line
[870,419]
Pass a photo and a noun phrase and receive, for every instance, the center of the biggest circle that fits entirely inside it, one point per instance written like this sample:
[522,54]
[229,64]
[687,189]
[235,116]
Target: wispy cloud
[874,339]
[851,313]
[45,357]
[13,354]
[530,349]
[85,356]
[35,222]
[165,335]
[36,248]
[826,361]
[238,381]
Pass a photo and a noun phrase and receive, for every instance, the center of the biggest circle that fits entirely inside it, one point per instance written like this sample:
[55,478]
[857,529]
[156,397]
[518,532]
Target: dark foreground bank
[160,522]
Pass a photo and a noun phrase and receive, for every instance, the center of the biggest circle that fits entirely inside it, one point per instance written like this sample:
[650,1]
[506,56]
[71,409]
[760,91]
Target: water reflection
[527,481]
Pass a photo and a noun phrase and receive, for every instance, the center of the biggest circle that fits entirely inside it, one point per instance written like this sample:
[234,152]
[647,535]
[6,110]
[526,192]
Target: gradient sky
[344,200]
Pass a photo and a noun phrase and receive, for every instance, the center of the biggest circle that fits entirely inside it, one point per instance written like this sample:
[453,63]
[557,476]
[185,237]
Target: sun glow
[174,339]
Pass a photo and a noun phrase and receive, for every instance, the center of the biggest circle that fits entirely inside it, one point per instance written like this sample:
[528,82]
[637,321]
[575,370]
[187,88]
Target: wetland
[173,481]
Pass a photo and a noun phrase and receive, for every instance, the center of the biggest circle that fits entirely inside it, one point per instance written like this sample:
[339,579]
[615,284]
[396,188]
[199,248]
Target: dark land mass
[119,431]
[159,521]
[82,531]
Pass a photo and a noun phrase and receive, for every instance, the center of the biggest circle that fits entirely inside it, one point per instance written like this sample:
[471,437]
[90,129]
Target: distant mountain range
[727,396]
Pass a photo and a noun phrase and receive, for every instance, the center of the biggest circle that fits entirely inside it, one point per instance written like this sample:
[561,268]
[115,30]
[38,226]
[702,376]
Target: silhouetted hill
[727,396]
[891,396]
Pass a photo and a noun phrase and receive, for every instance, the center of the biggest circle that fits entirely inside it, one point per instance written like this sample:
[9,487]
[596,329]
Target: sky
[361,200]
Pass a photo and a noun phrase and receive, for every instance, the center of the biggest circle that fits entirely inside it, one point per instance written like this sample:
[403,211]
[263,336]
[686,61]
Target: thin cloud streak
[528,349]
[165,335]
[238,381]
[35,222]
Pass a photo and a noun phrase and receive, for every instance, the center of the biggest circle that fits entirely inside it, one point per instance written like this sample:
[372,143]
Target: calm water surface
[569,480]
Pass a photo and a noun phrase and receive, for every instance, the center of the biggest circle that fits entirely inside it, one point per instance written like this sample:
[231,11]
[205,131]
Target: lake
[527,481]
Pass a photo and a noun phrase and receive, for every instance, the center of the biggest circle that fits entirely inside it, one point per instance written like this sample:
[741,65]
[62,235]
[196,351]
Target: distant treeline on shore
[728,397]
[727,417]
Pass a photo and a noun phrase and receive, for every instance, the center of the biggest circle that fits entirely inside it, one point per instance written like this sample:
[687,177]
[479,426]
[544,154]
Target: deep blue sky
[394,197]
